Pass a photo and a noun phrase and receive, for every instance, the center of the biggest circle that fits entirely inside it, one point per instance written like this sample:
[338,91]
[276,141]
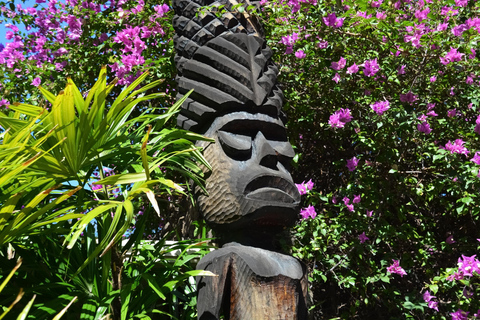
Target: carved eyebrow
[248,127]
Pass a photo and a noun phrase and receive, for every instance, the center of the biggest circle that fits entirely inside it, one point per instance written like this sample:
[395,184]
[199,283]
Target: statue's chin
[264,214]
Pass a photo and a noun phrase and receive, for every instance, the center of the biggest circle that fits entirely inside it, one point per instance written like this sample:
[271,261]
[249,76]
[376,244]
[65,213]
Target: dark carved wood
[251,197]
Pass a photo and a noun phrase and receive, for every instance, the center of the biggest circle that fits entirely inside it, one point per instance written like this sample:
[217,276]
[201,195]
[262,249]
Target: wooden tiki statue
[251,195]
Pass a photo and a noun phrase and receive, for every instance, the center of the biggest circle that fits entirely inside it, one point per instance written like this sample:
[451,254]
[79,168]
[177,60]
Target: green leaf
[154,285]
[23,315]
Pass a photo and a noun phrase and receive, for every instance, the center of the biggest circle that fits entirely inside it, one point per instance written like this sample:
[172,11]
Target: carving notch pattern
[225,60]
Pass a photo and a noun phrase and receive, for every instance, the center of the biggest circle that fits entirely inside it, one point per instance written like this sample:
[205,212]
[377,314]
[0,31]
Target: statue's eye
[284,151]
[236,146]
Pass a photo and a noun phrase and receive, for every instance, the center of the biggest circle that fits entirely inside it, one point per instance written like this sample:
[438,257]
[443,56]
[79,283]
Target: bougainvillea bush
[383,102]
[74,38]
[383,106]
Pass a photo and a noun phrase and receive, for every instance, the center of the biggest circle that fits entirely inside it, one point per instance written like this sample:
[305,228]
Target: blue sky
[3,30]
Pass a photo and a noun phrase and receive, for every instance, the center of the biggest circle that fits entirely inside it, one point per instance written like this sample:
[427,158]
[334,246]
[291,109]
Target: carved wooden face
[250,184]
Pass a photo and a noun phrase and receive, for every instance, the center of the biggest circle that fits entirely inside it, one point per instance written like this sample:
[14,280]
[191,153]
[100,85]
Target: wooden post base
[252,284]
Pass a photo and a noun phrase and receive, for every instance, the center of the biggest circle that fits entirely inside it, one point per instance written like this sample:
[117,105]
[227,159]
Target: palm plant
[49,158]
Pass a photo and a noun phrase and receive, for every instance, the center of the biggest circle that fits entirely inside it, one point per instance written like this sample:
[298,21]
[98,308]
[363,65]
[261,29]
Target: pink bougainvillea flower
[36,82]
[450,240]
[339,118]
[346,200]
[352,163]
[422,14]
[457,147]
[352,69]
[357,198]
[433,305]
[4,102]
[350,207]
[476,158]
[381,15]
[422,117]
[308,212]
[477,125]
[469,265]
[401,69]
[309,184]
[371,67]
[461,3]
[472,56]
[304,187]
[323,44]
[459,315]
[335,122]
[331,20]
[369,213]
[433,78]
[448,11]
[363,238]
[290,39]
[363,14]
[452,56]
[300,54]
[428,298]
[395,268]
[339,65]
[451,113]
[459,30]
[380,106]
[408,97]
[301,188]
[345,115]
[336,78]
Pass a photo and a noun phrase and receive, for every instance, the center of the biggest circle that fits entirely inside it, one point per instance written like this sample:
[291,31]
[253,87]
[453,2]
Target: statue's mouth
[272,188]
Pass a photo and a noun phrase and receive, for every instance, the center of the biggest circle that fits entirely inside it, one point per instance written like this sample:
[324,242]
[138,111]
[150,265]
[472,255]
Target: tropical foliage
[61,202]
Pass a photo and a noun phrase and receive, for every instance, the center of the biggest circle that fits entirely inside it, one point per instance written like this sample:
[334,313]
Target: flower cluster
[352,163]
[331,20]
[363,238]
[428,298]
[305,187]
[380,107]
[477,125]
[456,147]
[395,268]
[308,212]
[60,27]
[340,117]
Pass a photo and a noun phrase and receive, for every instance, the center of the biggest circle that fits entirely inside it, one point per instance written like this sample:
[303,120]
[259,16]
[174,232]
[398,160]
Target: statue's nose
[266,155]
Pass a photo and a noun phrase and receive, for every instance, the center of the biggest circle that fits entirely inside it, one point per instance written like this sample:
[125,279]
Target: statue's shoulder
[262,262]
